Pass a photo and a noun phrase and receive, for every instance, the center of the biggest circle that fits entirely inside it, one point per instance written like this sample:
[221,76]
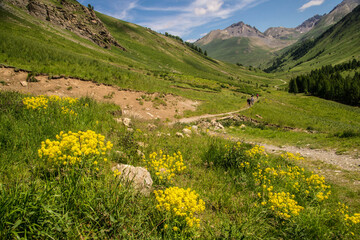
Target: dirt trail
[129,101]
[209,116]
[130,104]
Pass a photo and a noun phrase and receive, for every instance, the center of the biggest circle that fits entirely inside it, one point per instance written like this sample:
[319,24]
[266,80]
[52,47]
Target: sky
[193,19]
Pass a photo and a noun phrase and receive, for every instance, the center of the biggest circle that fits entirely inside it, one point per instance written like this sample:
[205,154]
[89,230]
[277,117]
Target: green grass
[152,62]
[236,50]
[329,124]
[337,45]
[38,201]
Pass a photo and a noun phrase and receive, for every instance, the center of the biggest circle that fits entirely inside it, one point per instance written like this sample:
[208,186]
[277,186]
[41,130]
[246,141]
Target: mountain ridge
[272,40]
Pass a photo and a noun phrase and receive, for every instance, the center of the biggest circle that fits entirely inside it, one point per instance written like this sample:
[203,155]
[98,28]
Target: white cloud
[311,4]
[197,13]
[121,8]
[191,40]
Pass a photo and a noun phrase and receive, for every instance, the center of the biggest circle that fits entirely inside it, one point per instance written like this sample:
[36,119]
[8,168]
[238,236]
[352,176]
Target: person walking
[252,99]
[248,101]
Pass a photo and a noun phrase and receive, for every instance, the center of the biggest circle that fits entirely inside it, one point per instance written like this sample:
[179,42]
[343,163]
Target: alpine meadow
[113,130]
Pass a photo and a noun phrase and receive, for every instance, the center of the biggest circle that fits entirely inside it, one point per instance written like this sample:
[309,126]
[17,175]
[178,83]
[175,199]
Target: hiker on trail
[252,99]
[257,96]
[248,101]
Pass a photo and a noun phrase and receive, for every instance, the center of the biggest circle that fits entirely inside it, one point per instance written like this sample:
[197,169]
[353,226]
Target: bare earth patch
[133,103]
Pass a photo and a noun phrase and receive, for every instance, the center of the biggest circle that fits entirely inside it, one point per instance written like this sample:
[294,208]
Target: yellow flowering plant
[351,222]
[74,149]
[66,105]
[164,167]
[180,207]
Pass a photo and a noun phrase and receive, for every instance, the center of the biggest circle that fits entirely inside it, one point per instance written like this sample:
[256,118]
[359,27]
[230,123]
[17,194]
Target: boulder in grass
[139,177]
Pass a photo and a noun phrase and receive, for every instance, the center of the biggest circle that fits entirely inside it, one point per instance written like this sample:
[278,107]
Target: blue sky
[192,19]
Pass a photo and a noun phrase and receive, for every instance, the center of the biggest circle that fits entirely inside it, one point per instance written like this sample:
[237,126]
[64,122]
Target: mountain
[340,43]
[242,43]
[335,15]
[64,38]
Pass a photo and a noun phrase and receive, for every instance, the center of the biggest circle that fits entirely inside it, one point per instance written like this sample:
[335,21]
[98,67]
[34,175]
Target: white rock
[130,130]
[127,122]
[186,131]
[194,128]
[142,144]
[23,83]
[139,177]
[180,135]
[243,126]
[118,120]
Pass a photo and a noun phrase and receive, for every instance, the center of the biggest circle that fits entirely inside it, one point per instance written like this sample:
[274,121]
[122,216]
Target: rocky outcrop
[308,24]
[72,16]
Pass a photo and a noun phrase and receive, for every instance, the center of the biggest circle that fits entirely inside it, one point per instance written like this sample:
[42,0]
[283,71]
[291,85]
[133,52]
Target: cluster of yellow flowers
[291,156]
[164,166]
[65,110]
[181,203]
[256,151]
[283,205]
[344,211]
[294,178]
[317,184]
[40,102]
[75,148]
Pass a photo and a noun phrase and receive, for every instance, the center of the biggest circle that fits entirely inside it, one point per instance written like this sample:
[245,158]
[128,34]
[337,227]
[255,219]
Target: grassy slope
[237,50]
[38,204]
[327,120]
[151,63]
[338,44]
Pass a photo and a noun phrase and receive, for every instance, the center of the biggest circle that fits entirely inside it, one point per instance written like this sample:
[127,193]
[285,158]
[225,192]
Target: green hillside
[152,62]
[338,44]
[238,50]
[60,172]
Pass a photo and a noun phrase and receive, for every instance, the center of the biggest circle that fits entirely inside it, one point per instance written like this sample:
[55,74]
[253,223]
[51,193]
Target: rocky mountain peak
[72,16]
[308,24]
[241,29]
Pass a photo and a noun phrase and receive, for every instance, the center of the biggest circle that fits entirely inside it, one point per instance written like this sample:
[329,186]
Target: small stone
[180,135]
[23,83]
[127,122]
[243,126]
[186,131]
[259,116]
[130,130]
[194,128]
[151,127]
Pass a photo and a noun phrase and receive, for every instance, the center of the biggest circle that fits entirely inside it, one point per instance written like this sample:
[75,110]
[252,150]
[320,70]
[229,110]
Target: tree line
[327,82]
[191,45]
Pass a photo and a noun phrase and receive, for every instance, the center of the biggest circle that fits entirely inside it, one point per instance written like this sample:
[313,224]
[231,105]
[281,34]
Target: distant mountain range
[242,43]
[338,44]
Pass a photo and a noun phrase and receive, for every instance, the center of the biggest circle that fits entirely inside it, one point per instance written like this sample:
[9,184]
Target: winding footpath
[344,162]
